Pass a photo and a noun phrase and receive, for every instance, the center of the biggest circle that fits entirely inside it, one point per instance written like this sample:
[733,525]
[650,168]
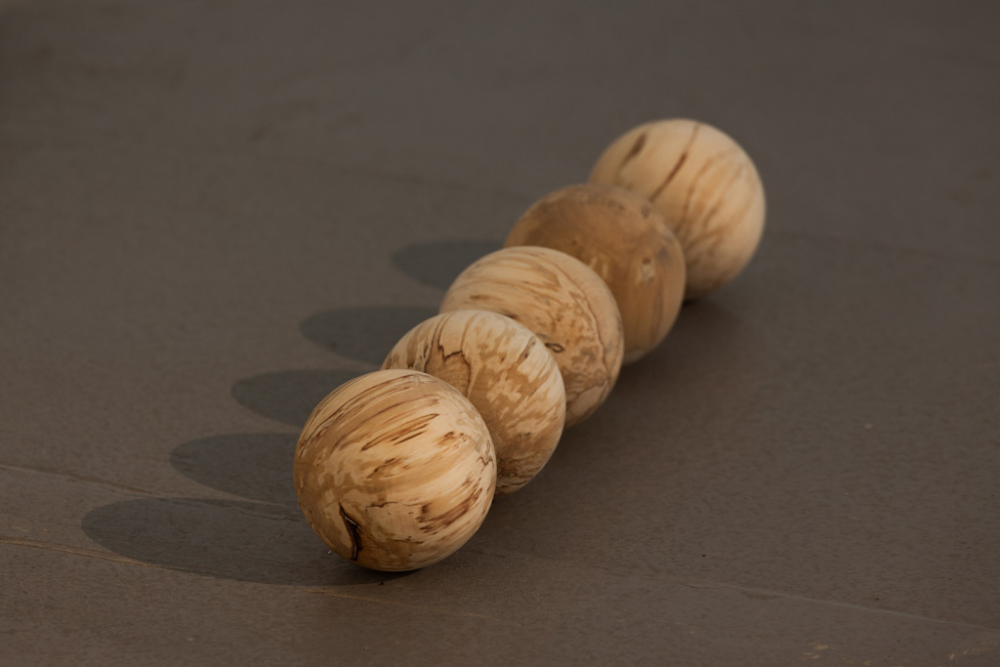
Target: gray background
[212,213]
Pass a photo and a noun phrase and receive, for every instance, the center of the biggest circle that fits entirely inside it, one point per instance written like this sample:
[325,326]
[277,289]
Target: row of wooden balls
[396,469]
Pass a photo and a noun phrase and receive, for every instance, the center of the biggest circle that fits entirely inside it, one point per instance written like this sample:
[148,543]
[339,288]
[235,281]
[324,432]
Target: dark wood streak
[582,299]
[677,167]
[636,147]
[406,431]
[388,463]
[694,184]
[460,353]
[369,395]
[721,199]
[445,519]
[587,305]
[353,530]
[411,436]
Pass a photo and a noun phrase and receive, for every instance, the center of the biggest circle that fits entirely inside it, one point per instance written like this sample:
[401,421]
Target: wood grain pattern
[626,241]
[506,373]
[561,301]
[706,186]
[395,470]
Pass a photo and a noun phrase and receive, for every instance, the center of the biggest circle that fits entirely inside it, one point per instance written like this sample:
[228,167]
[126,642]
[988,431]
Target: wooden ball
[706,186]
[564,303]
[505,372]
[395,470]
[626,241]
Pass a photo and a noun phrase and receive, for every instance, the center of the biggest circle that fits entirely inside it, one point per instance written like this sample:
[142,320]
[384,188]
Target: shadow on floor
[257,466]
[289,396]
[363,334]
[244,541]
[265,539]
[438,264]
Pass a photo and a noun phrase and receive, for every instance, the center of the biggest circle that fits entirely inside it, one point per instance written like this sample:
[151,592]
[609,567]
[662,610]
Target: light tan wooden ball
[395,470]
[626,241]
[706,186]
[505,372]
[564,303]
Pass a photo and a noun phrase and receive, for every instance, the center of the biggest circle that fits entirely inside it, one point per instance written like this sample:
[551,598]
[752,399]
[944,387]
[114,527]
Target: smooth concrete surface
[212,213]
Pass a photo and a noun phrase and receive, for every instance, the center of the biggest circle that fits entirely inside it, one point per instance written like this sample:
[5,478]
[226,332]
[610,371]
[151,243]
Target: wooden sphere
[395,470]
[626,241]
[706,186]
[564,303]
[506,373]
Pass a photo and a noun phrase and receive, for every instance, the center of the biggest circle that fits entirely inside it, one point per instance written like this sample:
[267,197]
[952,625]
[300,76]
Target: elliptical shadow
[363,334]
[243,541]
[289,396]
[257,466]
[438,264]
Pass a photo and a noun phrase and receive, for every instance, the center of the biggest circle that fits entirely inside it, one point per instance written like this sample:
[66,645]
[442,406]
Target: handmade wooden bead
[506,373]
[625,240]
[706,186]
[395,470]
[564,303]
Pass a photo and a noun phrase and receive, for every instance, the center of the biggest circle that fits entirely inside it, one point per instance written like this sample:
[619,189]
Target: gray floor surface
[212,213]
